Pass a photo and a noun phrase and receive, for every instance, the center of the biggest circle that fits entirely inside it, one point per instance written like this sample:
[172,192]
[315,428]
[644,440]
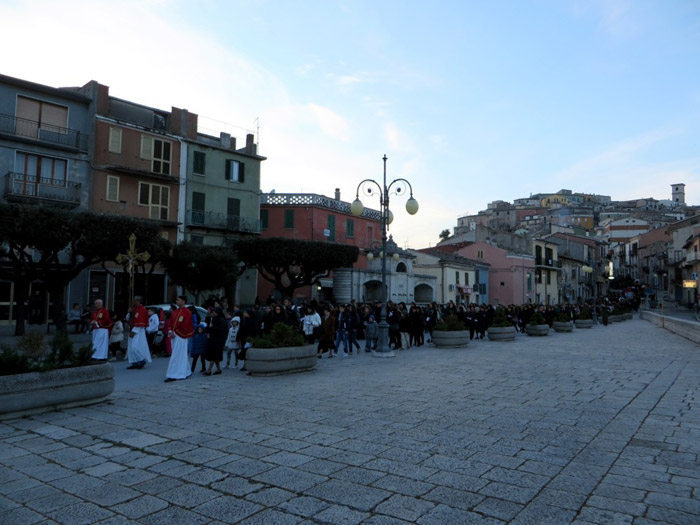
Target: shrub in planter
[537,325]
[33,355]
[562,322]
[280,336]
[451,332]
[585,314]
[282,351]
[450,323]
[584,319]
[501,329]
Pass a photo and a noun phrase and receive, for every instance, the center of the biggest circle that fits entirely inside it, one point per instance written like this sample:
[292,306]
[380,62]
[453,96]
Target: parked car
[160,309]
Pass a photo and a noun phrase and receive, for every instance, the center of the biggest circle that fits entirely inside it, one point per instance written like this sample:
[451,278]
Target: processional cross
[129,259]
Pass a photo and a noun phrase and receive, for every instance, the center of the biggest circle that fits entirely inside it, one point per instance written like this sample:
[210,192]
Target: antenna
[257,128]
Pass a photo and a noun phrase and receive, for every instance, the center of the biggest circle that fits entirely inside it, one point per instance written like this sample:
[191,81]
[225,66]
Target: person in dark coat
[246,331]
[217,333]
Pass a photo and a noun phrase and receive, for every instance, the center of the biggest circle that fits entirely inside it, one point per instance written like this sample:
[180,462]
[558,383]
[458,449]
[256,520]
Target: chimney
[225,140]
[250,144]
[337,194]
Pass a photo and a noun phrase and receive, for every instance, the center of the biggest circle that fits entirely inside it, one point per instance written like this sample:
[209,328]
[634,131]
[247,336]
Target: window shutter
[241,172]
[227,171]
[146,147]
[115,140]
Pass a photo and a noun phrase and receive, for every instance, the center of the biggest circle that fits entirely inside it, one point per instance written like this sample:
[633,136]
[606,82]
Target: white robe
[179,366]
[137,346]
[100,343]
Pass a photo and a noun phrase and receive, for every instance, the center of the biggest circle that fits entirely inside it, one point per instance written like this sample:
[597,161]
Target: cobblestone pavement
[597,426]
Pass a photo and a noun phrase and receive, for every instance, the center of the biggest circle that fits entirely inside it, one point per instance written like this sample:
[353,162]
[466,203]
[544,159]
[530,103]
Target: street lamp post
[370,187]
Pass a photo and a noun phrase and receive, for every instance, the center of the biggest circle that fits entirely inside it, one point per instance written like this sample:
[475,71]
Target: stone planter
[583,323]
[559,326]
[615,319]
[450,339]
[627,316]
[275,361]
[43,391]
[501,333]
[537,329]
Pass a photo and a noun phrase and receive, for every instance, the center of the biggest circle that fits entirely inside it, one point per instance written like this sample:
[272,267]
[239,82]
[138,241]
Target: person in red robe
[180,330]
[101,325]
[137,345]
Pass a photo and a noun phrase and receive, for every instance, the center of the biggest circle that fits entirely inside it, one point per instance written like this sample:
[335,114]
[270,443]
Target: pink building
[511,275]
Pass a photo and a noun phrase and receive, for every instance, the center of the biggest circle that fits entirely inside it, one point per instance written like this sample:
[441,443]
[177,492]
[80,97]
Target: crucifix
[129,260]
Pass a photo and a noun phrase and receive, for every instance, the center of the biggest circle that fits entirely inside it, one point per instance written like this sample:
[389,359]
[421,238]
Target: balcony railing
[222,221]
[692,256]
[20,187]
[31,129]
[313,199]
[551,263]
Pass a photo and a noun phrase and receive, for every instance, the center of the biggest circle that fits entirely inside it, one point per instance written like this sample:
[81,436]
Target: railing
[222,221]
[692,256]
[551,263]
[313,199]
[19,186]
[32,129]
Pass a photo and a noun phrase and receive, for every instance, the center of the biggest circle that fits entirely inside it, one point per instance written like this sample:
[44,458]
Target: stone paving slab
[595,426]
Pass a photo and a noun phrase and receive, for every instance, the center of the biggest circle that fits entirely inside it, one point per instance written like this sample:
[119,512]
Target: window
[529,282]
[34,114]
[263,219]
[196,239]
[457,277]
[549,277]
[350,228]
[479,254]
[289,219]
[158,152]
[331,227]
[199,162]
[233,212]
[157,198]
[573,273]
[466,278]
[198,207]
[235,171]
[112,188]
[115,140]
[46,170]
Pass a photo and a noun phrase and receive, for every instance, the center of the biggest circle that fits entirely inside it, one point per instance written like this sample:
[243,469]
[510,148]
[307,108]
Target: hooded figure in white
[232,346]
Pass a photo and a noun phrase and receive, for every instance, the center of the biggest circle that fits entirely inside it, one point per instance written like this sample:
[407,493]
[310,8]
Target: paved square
[596,426]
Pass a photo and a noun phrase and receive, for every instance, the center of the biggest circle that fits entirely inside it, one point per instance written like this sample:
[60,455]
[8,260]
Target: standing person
[354,328]
[198,347]
[232,345]
[181,329]
[101,324]
[116,336]
[74,318]
[152,328]
[371,334]
[311,322]
[247,330]
[325,340]
[343,325]
[216,332]
[137,345]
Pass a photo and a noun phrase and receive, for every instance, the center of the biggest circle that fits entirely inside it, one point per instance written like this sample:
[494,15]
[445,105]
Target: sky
[471,101]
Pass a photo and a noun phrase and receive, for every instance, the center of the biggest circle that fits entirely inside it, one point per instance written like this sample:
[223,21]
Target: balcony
[64,138]
[32,189]
[221,221]
[691,257]
[547,263]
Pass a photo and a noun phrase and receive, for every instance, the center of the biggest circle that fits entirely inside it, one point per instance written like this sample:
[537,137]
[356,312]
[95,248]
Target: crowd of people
[226,331]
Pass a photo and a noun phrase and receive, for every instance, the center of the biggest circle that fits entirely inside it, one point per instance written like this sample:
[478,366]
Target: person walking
[181,329]
[343,325]
[152,328]
[216,339]
[311,323]
[327,329]
[247,330]
[232,345]
[137,346]
[116,336]
[101,324]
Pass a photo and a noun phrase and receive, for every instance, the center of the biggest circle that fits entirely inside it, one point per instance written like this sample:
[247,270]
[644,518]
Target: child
[199,346]
[371,334]
[116,336]
[232,346]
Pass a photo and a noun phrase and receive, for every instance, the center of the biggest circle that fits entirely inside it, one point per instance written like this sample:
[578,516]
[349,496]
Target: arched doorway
[372,291]
[423,293]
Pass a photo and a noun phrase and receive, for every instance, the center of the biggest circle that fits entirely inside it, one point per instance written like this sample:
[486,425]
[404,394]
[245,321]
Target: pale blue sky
[472,101]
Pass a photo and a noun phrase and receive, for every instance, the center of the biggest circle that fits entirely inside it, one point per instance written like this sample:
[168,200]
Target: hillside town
[82,149]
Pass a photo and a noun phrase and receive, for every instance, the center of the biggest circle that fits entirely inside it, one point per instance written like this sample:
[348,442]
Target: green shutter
[227,170]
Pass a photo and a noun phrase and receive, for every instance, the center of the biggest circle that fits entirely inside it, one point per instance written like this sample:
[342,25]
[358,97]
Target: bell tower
[678,194]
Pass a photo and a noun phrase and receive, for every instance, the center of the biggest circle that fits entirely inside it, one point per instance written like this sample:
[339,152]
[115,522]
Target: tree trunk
[21,294]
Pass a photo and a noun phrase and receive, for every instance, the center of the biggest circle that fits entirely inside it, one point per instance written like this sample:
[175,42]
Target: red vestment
[100,318]
[181,323]
[140,316]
